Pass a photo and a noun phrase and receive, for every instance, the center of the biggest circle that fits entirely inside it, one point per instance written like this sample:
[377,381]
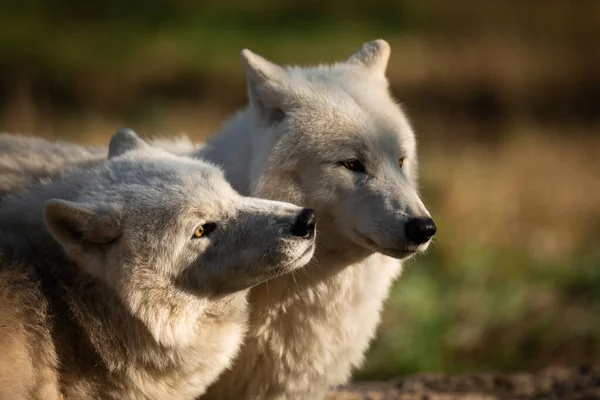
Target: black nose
[419,230]
[305,223]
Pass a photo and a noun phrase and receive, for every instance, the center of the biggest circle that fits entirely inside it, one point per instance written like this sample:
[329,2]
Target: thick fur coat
[128,280]
[331,138]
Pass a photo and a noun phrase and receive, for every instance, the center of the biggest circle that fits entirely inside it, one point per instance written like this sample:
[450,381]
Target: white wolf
[142,292]
[330,138]
[333,139]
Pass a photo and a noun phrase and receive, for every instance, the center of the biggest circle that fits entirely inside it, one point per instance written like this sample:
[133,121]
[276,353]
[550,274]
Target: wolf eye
[203,230]
[353,165]
[199,232]
[401,162]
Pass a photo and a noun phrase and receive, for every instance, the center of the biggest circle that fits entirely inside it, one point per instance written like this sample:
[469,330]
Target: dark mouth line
[308,250]
[287,266]
[372,243]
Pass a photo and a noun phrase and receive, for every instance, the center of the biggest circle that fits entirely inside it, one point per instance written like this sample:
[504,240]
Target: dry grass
[512,280]
[536,193]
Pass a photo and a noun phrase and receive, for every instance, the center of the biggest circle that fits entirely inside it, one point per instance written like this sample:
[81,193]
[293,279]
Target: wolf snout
[305,224]
[420,230]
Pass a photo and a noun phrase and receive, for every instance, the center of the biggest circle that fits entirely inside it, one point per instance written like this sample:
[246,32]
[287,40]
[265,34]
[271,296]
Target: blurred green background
[504,96]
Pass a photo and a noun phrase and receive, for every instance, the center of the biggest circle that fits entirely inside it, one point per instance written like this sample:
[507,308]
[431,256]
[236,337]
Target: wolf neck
[314,311]
[231,149]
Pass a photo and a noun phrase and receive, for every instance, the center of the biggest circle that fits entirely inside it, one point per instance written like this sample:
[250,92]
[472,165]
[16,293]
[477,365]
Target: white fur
[161,311]
[309,330]
[28,160]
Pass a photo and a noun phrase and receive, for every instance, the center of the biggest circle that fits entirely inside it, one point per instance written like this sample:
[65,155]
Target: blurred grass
[505,97]
[64,39]
[513,279]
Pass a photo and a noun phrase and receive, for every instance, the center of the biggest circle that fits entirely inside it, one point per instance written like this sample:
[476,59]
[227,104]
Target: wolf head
[333,139]
[148,216]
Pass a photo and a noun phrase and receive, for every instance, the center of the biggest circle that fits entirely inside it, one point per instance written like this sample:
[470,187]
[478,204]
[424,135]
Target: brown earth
[553,383]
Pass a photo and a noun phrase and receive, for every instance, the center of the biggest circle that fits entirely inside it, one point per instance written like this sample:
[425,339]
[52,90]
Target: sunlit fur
[104,291]
[310,329]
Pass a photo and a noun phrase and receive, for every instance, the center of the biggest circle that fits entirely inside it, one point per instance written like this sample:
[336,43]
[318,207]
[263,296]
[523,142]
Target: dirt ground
[553,383]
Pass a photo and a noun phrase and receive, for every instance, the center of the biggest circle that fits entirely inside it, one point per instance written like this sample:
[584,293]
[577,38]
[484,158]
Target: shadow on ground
[556,383]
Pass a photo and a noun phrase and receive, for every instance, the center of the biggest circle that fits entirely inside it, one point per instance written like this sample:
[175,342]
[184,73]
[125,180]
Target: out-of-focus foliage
[505,97]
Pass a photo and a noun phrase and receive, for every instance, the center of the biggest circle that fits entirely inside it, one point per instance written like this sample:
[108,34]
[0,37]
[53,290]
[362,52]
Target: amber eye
[401,162]
[199,232]
[354,165]
[203,230]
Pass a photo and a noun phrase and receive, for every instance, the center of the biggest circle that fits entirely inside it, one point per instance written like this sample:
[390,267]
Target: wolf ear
[373,55]
[265,84]
[123,141]
[81,229]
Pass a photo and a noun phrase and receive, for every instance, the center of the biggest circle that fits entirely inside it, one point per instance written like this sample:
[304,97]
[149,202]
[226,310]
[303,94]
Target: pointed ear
[81,228]
[373,55]
[123,141]
[265,84]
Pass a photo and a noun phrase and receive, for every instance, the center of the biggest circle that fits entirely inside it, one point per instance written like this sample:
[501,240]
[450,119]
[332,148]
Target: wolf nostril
[419,230]
[305,223]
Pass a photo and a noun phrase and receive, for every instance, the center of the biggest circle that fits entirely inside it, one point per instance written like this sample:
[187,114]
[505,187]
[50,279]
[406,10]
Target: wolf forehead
[337,129]
[156,178]
[348,92]
[343,101]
